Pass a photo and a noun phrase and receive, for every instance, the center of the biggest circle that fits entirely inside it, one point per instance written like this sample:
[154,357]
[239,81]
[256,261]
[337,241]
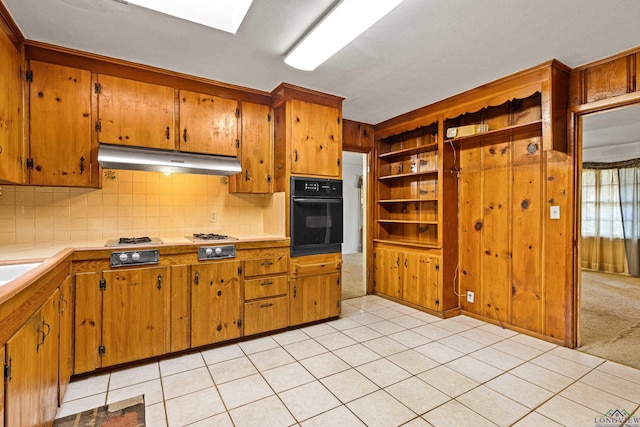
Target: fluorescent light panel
[225,15]
[342,25]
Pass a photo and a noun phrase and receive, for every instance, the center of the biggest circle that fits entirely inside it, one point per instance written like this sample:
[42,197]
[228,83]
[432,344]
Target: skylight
[225,15]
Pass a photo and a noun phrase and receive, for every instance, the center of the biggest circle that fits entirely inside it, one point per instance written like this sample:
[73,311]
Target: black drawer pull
[266,305]
[266,283]
[266,263]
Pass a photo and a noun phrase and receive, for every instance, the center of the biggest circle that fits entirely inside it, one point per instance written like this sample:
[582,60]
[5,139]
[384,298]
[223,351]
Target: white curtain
[630,209]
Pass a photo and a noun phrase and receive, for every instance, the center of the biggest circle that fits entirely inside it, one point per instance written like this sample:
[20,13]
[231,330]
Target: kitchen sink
[11,271]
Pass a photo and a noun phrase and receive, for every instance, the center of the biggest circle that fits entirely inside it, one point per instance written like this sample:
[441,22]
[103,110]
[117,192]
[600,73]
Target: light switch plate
[554,212]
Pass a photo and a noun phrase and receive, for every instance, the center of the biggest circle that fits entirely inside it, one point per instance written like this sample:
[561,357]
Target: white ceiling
[422,52]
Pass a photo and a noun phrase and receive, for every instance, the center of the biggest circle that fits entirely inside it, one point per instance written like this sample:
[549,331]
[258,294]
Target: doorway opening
[354,194]
[609,291]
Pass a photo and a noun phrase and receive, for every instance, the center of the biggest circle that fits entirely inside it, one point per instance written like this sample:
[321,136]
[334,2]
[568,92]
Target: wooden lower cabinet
[315,298]
[2,389]
[65,355]
[266,315]
[408,275]
[120,316]
[32,358]
[215,302]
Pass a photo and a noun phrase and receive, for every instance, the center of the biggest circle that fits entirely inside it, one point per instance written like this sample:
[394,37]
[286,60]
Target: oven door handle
[315,201]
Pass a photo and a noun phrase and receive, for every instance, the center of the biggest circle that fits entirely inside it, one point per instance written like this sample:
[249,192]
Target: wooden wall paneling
[527,210]
[557,250]
[607,80]
[179,301]
[496,231]
[470,224]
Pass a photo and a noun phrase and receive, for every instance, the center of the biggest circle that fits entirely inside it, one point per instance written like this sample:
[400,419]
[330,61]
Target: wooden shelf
[407,175]
[430,199]
[403,221]
[498,133]
[415,243]
[412,150]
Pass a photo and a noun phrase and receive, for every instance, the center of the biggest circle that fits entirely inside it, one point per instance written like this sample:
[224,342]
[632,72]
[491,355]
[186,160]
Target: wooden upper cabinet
[60,127]
[357,136]
[135,113]
[11,147]
[256,152]
[208,124]
[316,139]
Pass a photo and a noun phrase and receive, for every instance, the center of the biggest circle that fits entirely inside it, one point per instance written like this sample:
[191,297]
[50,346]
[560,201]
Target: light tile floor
[379,364]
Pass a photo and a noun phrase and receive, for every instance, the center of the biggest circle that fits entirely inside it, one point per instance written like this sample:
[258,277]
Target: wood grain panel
[527,209]
[496,232]
[2,388]
[179,301]
[10,112]
[88,322]
[471,225]
[66,308]
[557,260]
[266,315]
[265,287]
[607,80]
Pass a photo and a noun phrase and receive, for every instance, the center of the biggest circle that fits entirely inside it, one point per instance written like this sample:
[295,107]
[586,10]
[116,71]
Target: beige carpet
[352,276]
[610,317]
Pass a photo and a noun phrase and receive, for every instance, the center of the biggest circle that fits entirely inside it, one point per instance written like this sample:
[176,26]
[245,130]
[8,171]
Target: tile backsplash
[133,203]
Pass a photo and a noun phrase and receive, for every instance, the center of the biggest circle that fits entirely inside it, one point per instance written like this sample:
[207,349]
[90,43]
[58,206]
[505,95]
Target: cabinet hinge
[269,117]
[368,274]
[269,178]
[7,370]
[437,267]
[101,350]
[239,323]
[239,271]
[103,284]
[237,143]
[29,162]
[338,162]
[374,254]
[97,88]
[237,112]
[437,301]
[338,304]
[374,284]
[338,119]
[28,75]
[98,127]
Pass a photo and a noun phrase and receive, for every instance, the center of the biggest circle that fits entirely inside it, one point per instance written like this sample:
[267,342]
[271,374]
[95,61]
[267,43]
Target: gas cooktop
[124,241]
[208,237]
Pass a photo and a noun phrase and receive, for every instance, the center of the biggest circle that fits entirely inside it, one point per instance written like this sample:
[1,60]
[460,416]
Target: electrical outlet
[554,212]
[470,297]
[213,216]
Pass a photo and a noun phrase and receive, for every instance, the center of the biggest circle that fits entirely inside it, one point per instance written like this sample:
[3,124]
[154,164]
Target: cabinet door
[133,314]
[32,353]
[87,322]
[313,298]
[49,362]
[387,272]
[215,302]
[208,124]
[61,126]
[420,279]
[11,147]
[65,309]
[2,359]
[256,153]
[135,113]
[316,139]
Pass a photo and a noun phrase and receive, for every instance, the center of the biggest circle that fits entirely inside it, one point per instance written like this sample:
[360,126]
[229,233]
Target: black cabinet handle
[184,135]
[266,283]
[81,165]
[168,133]
[246,174]
[266,263]
[159,281]
[266,305]
[197,279]
[296,155]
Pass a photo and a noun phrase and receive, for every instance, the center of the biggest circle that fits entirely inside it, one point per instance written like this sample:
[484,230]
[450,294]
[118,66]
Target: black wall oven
[316,216]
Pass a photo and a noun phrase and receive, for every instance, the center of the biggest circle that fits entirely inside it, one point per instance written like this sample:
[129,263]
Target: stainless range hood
[149,159]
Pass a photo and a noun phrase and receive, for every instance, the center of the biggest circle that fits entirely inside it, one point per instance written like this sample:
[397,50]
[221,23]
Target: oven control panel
[216,252]
[125,258]
[315,187]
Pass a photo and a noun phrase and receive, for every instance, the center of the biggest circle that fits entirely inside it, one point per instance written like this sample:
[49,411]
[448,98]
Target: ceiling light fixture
[225,15]
[344,23]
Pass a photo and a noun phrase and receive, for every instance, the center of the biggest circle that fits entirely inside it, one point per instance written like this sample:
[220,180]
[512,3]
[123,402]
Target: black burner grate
[209,236]
[133,240]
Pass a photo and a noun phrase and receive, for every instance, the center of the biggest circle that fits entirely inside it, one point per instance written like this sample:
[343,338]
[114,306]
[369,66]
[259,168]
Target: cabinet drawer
[266,315]
[318,268]
[265,287]
[263,266]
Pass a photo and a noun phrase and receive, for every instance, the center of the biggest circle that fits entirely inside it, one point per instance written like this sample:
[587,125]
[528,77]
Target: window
[601,215]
